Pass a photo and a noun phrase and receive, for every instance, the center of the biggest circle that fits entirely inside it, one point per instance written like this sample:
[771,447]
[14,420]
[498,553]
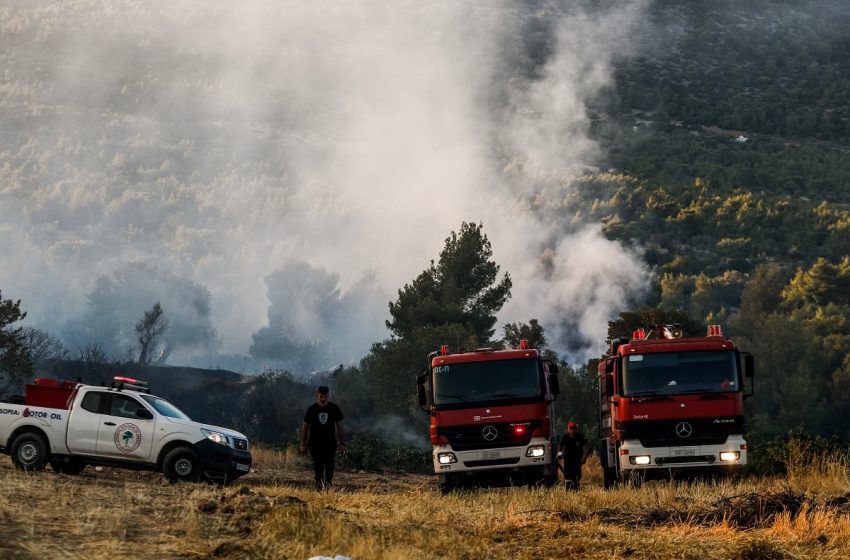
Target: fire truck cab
[492,415]
[671,406]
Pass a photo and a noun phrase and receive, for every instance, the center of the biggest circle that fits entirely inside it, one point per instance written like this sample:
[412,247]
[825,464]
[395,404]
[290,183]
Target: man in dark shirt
[575,449]
[322,423]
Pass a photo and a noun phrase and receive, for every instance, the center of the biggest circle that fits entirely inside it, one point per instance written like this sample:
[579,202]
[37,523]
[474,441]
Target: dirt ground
[260,475]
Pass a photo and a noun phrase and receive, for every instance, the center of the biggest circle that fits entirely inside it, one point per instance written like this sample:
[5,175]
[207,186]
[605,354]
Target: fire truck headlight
[535,451]
[730,455]
[446,458]
[639,459]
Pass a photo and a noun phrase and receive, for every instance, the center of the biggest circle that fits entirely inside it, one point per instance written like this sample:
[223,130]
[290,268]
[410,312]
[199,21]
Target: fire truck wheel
[29,452]
[632,478]
[182,464]
[448,483]
[609,474]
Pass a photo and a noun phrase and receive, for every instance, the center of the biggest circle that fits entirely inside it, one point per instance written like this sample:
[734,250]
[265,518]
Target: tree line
[796,325]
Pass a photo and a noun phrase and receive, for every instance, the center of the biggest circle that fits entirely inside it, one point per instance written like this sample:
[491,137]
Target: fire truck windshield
[490,382]
[677,373]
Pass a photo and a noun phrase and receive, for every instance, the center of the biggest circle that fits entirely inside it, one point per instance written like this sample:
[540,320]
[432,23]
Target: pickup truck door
[122,433]
[84,422]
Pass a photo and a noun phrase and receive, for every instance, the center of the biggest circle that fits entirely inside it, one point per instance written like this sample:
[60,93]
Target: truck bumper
[221,462]
[537,454]
[729,456]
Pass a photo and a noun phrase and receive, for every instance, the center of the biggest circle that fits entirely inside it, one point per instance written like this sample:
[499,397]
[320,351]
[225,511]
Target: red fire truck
[672,406]
[492,414]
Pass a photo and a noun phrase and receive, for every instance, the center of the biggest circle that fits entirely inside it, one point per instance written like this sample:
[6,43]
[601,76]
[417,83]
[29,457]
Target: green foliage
[532,332]
[270,408]
[369,452]
[821,284]
[578,400]
[15,360]
[390,368]
[760,297]
[649,317]
[793,450]
[769,67]
[461,288]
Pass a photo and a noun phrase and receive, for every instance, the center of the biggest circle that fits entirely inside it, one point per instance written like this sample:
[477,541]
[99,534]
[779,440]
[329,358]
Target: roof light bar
[122,379]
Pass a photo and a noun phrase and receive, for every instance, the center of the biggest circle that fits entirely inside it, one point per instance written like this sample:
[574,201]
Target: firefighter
[575,449]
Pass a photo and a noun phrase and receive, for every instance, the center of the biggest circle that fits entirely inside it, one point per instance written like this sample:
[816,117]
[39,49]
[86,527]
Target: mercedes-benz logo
[684,430]
[489,433]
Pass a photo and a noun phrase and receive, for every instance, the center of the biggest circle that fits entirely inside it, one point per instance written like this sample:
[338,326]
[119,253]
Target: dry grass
[275,513]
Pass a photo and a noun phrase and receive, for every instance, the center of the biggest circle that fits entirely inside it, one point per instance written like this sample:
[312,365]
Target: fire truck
[492,416]
[672,407]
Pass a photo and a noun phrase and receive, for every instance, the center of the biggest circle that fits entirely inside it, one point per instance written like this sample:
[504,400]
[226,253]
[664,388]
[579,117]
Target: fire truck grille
[489,436]
[663,441]
[491,462]
[661,461]
[690,431]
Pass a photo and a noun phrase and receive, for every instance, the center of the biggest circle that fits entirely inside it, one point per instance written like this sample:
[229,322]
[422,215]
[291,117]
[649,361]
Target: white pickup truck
[71,425]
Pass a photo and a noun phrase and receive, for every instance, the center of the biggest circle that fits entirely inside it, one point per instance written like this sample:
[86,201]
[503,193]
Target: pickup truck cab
[71,425]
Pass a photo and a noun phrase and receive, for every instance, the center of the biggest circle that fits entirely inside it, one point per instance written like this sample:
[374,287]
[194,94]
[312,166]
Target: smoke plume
[223,143]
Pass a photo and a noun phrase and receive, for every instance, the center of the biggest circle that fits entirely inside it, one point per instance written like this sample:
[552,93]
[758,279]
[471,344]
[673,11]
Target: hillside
[272,175]
[727,136]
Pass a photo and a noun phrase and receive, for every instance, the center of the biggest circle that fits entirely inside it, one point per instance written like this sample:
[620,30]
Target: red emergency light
[519,430]
[715,330]
[638,334]
[523,345]
[122,379]
[444,350]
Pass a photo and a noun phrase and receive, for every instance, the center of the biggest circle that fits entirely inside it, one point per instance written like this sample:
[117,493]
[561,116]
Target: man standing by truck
[575,449]
[322,423]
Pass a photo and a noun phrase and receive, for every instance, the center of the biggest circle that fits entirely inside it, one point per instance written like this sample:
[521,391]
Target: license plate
[491,454]
[241,467]
[684,452]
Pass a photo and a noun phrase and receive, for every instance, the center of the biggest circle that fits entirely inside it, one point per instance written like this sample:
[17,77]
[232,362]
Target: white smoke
[222,141]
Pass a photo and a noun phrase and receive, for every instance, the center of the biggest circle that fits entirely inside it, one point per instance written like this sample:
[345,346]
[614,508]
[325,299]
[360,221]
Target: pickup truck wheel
[182,464]
[29,452]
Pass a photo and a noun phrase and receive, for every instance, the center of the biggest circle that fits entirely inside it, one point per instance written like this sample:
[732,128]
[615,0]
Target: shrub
[369,452]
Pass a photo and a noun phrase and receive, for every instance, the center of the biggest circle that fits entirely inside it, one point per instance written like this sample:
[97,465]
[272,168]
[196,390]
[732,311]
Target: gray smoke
[222,143]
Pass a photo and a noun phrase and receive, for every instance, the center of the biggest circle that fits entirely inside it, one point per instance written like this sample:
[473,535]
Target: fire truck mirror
[553,368]
[609,384]
[609,365]
[554,384]
[749,365]
[421,396]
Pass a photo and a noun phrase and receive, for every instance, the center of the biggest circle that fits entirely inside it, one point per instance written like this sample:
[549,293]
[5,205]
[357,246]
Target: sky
[225,142]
